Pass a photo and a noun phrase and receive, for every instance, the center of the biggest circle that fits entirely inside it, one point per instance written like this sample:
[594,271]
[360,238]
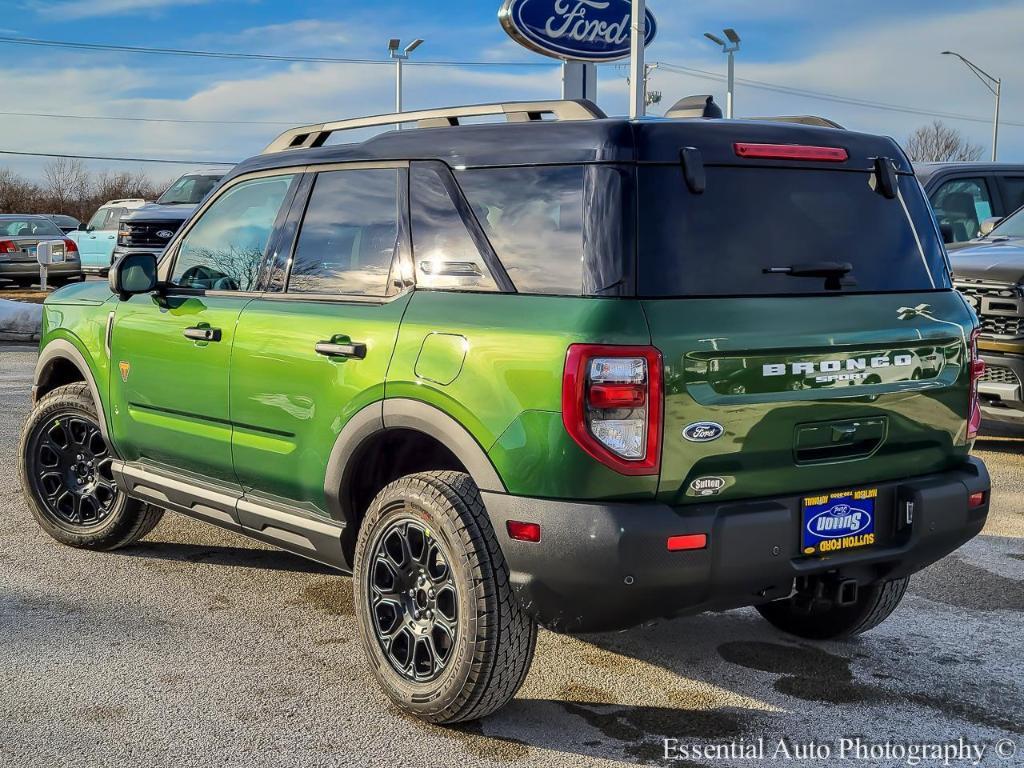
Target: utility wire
[117,159]
[257,56]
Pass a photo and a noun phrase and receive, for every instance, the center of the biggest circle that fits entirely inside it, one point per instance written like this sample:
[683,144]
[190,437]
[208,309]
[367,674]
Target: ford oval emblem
[703,431]
[166,234]
[584,30]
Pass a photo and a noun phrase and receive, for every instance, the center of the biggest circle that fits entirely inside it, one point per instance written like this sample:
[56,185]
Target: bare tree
[17,194]
[66,181]
[939,143]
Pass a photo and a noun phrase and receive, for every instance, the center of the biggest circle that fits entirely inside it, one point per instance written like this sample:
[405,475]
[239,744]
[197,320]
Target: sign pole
[637,97]
[579,80]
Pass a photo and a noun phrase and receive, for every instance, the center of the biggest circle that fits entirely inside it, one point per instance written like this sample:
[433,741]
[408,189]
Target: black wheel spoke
[72,470]
[413,599]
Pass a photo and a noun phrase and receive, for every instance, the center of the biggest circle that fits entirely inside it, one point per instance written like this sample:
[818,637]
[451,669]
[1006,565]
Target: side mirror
[988,225]
[133,273]
[947,233]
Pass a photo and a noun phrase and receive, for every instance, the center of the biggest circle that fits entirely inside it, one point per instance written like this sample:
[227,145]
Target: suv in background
[990,273]
[96,240]
[966,195]
[581,372]
[149,228]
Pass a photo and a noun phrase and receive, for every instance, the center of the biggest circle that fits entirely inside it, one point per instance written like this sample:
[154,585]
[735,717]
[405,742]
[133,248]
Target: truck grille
[144,234]
[999,306]
[997,374]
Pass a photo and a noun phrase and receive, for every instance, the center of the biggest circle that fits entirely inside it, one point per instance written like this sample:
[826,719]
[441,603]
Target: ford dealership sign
[583,30]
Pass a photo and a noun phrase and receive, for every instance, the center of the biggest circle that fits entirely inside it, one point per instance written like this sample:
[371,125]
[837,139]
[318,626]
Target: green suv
[553,369]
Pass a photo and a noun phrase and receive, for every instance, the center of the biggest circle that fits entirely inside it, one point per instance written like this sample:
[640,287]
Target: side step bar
[293,530]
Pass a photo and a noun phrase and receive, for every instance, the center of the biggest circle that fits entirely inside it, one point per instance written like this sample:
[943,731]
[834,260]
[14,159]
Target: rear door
[316,348]
[778,383]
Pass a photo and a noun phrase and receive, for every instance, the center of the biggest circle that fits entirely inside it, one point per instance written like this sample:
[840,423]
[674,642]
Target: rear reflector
[523,531]
[976,500]
[791,152]
[688,541]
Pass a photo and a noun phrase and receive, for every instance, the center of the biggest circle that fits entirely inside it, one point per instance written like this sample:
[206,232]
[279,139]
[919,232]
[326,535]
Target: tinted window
[224,250]
[26,227]
[349,234]
[534,219]
[961,205]
[749,219]
[1013,192]
[106,218]
[445,253]
[189,190]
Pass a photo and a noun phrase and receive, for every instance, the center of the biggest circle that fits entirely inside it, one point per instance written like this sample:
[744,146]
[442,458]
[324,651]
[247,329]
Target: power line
[823,96]
[149,119]
[116,159]
[255,56]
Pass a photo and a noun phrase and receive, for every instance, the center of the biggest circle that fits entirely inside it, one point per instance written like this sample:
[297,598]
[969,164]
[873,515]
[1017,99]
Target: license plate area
[838,521]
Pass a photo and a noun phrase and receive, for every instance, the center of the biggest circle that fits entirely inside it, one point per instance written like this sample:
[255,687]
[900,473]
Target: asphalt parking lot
[200,648]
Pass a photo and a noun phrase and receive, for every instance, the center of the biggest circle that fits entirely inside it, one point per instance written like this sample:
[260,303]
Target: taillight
[70,246]
[790,152]
[6,246]
[611,405]
[977,370]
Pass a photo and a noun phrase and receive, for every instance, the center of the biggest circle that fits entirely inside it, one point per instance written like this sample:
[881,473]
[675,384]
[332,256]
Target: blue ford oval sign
[703,431]
[584,30]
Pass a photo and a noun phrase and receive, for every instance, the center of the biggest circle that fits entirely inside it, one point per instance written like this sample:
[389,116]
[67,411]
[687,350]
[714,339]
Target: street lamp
[394,46]
[994,84]
[730,49]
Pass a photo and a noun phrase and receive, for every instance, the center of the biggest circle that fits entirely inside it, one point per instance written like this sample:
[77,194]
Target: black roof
[613,140]
[925,171]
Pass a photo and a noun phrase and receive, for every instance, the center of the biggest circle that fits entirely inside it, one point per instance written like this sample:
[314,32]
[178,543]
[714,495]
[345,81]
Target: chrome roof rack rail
[309,136]
[821,122]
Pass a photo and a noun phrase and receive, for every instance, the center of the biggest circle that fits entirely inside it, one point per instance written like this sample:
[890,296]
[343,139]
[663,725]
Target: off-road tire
[127,520]
[495,638]
[873,606]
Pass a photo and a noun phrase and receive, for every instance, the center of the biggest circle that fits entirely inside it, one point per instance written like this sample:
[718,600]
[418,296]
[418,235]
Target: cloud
[84,9]
[298,35]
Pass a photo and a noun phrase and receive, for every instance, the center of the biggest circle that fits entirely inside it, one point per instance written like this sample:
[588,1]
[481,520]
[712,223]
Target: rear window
[747,220]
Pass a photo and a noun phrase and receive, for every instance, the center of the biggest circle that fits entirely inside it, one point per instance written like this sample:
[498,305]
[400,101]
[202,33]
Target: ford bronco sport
[577,372]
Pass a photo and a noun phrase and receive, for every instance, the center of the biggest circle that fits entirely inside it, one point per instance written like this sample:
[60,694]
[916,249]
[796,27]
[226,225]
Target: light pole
[394,44]
[638,79]
[994,84]
[728,48]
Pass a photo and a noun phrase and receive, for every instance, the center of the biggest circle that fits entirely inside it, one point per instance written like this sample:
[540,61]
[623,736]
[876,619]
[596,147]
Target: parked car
[990,273]
[966,195]
[149,228]
[66,223]
[97,239]
[19,236]
[489,369]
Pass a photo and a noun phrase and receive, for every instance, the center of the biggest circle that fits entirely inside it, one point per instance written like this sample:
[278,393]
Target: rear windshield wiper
[834,272]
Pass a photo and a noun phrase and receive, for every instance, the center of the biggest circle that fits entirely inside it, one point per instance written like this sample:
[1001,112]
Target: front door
[170,352]
[316,350]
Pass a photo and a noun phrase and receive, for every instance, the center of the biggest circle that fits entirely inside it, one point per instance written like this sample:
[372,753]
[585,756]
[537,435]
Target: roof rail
[309,136]
[821,122]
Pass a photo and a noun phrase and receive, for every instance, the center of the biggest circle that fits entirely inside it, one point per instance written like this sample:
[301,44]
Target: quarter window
[445,253]
[224,250]
[1013,191]
[961,205]
[534,220]
[350,233]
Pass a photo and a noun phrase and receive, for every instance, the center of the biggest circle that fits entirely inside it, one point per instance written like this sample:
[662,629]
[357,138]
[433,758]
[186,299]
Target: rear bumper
[606,566]
[19,269]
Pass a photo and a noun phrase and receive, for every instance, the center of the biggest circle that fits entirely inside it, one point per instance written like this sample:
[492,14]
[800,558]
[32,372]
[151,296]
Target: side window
[445,254]
[963,204]
[224,250]
[349,234]
[534,220]
[1013,193]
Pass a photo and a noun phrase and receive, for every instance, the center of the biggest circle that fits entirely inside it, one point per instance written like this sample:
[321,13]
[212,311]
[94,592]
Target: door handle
[332,349]
[203,334]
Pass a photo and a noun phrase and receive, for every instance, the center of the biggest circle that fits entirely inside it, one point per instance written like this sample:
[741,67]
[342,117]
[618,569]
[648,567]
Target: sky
[874,50]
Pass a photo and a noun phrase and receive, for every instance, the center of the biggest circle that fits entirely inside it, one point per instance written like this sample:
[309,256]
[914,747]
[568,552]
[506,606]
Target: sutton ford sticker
[703,431]
[707,486]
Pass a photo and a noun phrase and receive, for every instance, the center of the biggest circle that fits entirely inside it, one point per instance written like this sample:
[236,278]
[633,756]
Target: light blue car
[96,241]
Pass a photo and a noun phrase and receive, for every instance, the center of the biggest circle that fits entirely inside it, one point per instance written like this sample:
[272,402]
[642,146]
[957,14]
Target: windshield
[25,227]
[189,190]
[1011,226]
[106,219]
[763,231]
